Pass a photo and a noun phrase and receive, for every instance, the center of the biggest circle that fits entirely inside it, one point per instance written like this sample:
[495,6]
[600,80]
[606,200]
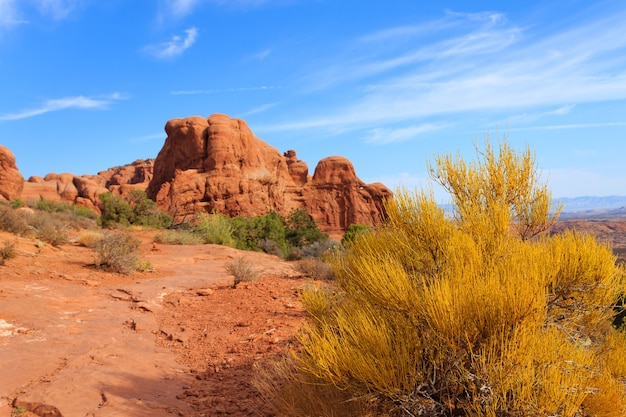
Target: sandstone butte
[217,164]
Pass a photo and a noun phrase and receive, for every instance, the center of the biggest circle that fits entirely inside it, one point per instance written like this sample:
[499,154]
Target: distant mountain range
[593,206]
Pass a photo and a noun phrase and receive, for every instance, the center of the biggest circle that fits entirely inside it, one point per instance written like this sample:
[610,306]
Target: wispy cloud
[76,102]
[384,136]
[260,109]
[259,56]
[179,8]
[182,8]
[223,90]
[57,9]
[9,14]
[174,47]
[573,126]
[484,63]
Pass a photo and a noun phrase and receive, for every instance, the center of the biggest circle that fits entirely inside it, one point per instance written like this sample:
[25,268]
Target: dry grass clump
[178,237]
[89,238]
[49,228]
[116,251]
[13,220]
[315,268]
[7,251]
[242,270]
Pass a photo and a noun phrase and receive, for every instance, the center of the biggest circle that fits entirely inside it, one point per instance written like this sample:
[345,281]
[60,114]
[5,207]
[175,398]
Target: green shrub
[136,209]
[17,203]
[302,230]
[50,206]
[116,251]
[146,212]
[254,233]
[114,211]
[477,314]
[242,270]
[7,251]
[215,228]
[353,232]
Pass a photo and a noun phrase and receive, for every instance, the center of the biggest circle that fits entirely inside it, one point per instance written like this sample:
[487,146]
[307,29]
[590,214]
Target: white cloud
[392,135]
[76,102]
[174,47]
[486,63]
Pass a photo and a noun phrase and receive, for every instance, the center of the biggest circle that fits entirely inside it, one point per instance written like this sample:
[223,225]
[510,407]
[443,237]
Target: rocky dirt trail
[176,341]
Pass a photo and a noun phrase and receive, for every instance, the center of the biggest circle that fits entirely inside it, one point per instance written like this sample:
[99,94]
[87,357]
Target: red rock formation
[337,198]
[218,164]
[11,181]
[85,190]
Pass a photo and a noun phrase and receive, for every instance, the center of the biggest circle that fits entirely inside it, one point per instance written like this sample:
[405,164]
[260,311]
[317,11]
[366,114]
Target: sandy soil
[176,341]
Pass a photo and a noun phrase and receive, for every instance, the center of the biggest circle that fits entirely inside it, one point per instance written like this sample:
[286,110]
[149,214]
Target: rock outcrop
[85,190]
[218,164]
[11,181]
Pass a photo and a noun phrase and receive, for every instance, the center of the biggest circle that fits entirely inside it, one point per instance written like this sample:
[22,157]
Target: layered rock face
[11,181]
[218,164]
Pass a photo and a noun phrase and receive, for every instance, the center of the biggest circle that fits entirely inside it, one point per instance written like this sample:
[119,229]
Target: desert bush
[242,270]
[321,249]
[215,228]
[178,237]
[315,268]
[7,251]
[146,212]
[478,314]
[271,247]
[116,251]
[49,228]
[13,221]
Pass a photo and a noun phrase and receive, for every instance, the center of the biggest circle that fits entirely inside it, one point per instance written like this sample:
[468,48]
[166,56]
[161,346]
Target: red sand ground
[176,341]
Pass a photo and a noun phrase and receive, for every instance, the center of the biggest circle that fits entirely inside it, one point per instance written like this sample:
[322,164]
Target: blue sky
[89,84]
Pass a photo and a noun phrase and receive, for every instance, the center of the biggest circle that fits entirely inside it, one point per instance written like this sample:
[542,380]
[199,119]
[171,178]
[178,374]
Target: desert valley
[177,338]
